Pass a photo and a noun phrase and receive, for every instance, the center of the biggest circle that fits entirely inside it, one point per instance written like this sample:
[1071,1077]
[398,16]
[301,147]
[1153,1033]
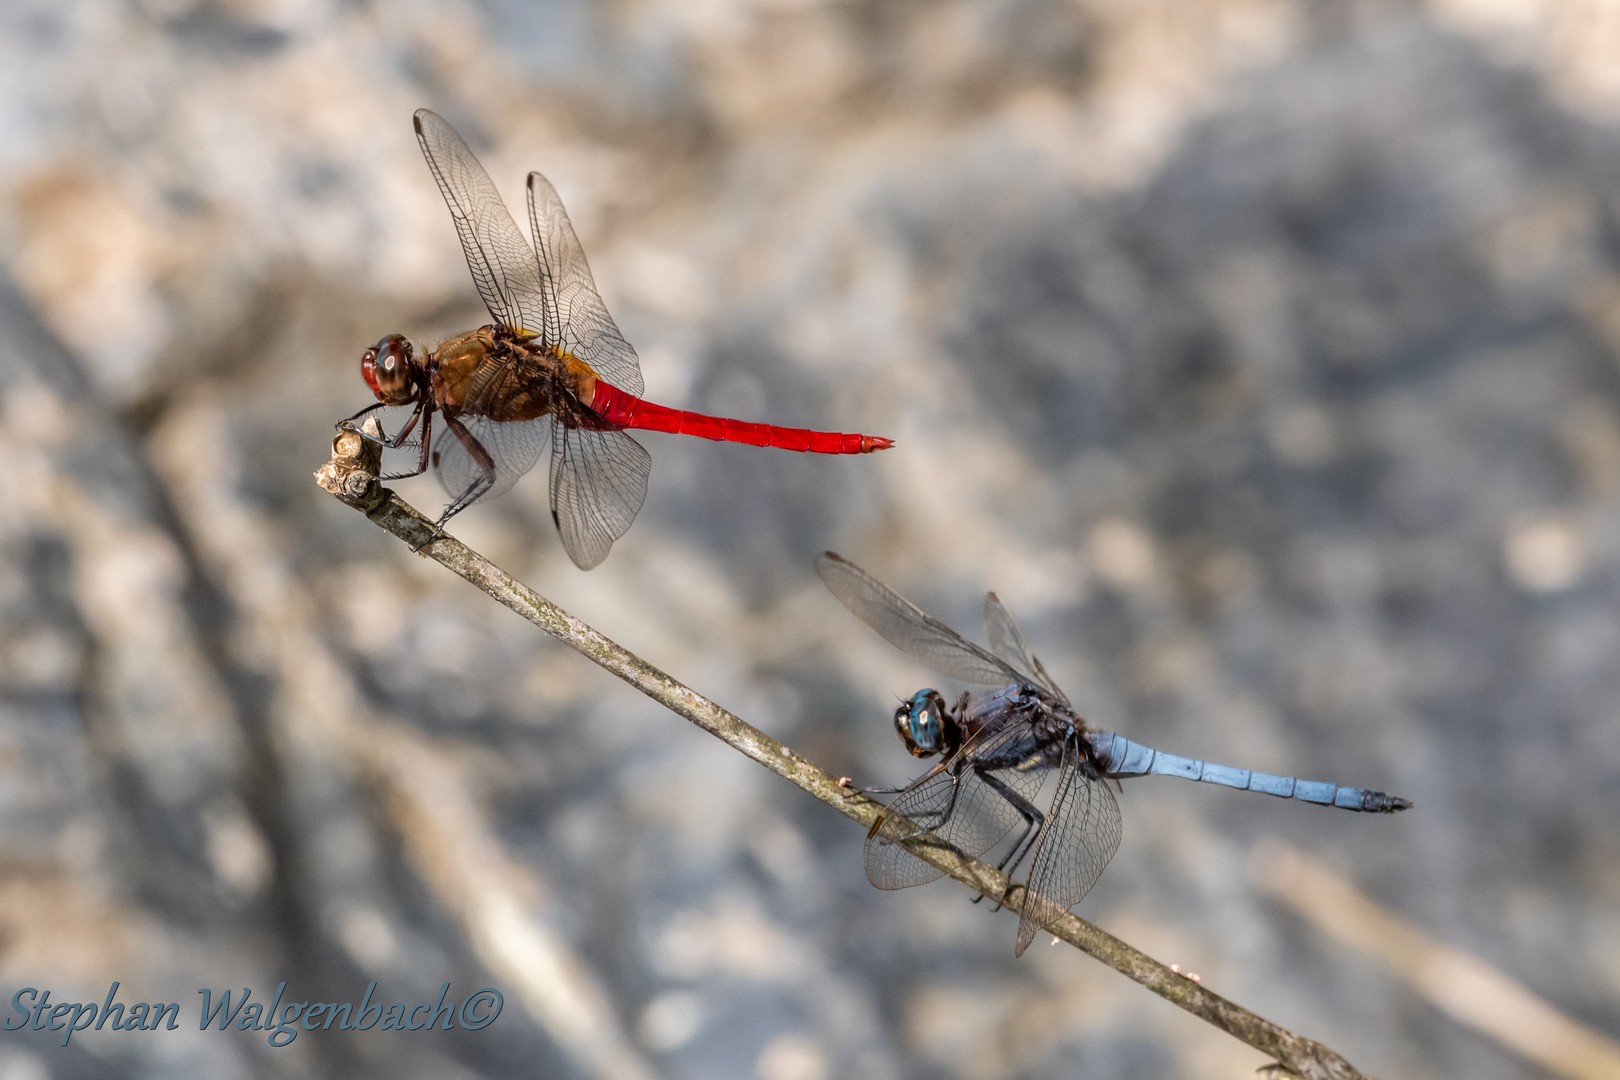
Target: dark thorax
[1047,724]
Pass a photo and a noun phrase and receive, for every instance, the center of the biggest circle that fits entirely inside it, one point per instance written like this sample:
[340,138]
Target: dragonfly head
[389,369]
[925,725]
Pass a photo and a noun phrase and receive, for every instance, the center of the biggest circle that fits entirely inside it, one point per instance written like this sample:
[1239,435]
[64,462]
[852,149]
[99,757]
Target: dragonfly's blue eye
[920,722]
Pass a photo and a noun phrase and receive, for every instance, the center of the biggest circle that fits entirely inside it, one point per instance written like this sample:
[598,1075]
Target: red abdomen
[625,410]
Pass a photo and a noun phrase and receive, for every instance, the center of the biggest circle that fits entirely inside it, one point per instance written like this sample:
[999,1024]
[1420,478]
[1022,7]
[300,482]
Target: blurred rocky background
[1264,355]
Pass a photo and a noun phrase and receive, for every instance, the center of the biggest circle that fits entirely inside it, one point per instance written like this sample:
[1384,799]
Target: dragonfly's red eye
[386,367]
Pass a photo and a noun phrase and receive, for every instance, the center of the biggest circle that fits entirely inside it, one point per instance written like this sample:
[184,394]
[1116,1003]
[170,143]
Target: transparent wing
[598,481]
[965,810]
[514,447]
[906,627]
[1007,642]
[1081,834]
[580,321]
[503,264]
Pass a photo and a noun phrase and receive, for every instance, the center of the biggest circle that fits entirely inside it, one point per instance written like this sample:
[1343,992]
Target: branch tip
[351,473]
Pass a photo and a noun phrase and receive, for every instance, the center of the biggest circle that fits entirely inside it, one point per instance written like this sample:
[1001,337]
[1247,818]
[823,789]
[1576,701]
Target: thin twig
[350,475]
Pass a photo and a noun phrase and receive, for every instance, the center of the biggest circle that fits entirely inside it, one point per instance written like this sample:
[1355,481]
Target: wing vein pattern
[598,482]
[908,628]
[503,265]
[1080,835]
[579,321]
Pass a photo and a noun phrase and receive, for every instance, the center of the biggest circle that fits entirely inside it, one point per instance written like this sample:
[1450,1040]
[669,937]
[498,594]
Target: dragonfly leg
[382,440]
[485,463]
[349,423]
[849,785]
[426,439]
[1033,819]
[938,819]
[474,447]
[423,413]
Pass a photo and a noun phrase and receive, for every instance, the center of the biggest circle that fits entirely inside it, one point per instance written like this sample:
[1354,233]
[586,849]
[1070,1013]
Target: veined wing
[1007,642]
[579,321]
[964,810]
[514,447]
[503,264]
[598,481]
[908,628]
[1081,833]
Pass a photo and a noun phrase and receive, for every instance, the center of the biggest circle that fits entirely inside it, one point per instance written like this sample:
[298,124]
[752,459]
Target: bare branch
[353,458]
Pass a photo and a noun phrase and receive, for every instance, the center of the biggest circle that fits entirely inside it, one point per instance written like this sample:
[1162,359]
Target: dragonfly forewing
[969,804]
[503,264]
[908,628]
[579,321]
[1007,642]
[1080,835]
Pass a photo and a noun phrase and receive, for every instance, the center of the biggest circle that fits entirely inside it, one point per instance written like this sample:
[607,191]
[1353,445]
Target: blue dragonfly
[997,748]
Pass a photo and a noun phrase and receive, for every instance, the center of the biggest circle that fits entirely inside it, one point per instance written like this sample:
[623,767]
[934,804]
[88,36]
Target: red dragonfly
[552,366]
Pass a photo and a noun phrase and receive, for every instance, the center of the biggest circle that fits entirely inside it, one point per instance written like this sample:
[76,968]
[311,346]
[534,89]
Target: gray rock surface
[1262,357]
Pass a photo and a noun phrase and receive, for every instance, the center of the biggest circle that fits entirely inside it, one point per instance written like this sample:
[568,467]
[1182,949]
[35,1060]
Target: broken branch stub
[351,473]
